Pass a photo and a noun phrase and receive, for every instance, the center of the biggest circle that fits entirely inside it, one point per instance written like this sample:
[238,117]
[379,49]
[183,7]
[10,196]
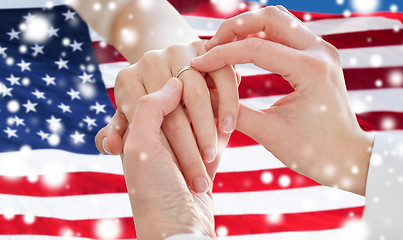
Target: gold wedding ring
[185,69]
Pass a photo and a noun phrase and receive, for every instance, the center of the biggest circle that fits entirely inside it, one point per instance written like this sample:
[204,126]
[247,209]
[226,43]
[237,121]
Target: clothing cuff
[188,236]
[384,189]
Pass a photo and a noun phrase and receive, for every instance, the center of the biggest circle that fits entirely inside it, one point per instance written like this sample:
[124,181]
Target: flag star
[5,91]
[13,80]
[53,32]
[14,34]
[64,108]
[86,78]
[54,123]
[69,15]
[90,121]
[3,51]
[49,80]
[77,137]
[18,121]
[38,94]
[98,108]
[76,46]
[43,135]
[28,18]
[74,94]
[10,132]
[24,65]
[62,64]
[37,49]
[30,106]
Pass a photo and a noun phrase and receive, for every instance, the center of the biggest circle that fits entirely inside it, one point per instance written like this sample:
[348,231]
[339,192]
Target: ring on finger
[185,69]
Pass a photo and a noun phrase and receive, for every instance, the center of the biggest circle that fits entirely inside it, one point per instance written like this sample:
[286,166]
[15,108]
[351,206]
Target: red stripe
[308,221]
[205,8]
[101,183]
[234,224]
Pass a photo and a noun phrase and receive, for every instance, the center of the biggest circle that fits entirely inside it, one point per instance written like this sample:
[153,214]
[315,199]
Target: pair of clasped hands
[171,132]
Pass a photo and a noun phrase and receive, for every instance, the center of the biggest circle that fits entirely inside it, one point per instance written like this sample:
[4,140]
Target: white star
[24,65]
[30,106]
[54,123]
[10,132]
[53,32]
[14,34]
[49,80]
[13,80]
[43,135]
[86,78]
[62,63]
[37,49]
[3,51]
[77,137]
[98,108]
[29,17]
[74,94]
[69,15]
[64,108]
[38,94]
[5,91]
[76,46]
[18,121]
[90,122]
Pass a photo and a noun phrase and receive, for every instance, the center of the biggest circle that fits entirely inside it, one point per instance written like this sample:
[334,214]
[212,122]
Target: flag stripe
[100,183]
[235,225]
[308,199]
[357,59]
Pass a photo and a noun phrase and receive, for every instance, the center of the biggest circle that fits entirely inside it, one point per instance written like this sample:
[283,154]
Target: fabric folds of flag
[56,95]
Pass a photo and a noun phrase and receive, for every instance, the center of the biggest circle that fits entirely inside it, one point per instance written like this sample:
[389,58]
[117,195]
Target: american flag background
[55,96]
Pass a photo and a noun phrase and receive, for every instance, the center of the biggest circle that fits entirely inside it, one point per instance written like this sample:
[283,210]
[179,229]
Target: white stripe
[117,205]
[389,56]
[249,158]
[360,100]
[205,26]
[318,198]
[29,4]
[44,161]
[110,71]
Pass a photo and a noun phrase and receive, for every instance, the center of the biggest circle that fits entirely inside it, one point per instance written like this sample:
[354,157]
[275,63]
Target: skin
[191,129]
[312,130]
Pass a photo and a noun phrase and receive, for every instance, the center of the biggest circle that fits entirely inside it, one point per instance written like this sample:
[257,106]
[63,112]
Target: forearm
[136,26]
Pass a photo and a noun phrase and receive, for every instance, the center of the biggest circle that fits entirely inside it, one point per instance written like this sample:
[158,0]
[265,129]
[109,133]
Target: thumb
[152,108]
[253,123]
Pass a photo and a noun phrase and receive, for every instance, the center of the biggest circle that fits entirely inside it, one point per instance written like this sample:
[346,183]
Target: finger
[152,108]
[225,80]
[109,140]
[276,24]
[266,54]
[196,97]
[180,136]
[285,10]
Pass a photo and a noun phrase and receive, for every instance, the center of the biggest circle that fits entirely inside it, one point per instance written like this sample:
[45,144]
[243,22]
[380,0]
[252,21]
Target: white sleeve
[383,214]
[187,236]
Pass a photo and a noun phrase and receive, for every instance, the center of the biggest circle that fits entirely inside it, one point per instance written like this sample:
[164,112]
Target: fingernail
[171,85]
[200,185]
[228,124]
[105,146]
[206,45]
[195,60]
[209,155]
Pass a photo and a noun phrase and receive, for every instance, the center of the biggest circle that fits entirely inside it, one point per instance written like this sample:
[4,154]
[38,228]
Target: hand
[312,130]
[161,202]
[186,139]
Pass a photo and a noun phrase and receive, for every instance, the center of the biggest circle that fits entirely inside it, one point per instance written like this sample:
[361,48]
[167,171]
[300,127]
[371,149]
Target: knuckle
[254,45]
[151,58]
[271,10]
